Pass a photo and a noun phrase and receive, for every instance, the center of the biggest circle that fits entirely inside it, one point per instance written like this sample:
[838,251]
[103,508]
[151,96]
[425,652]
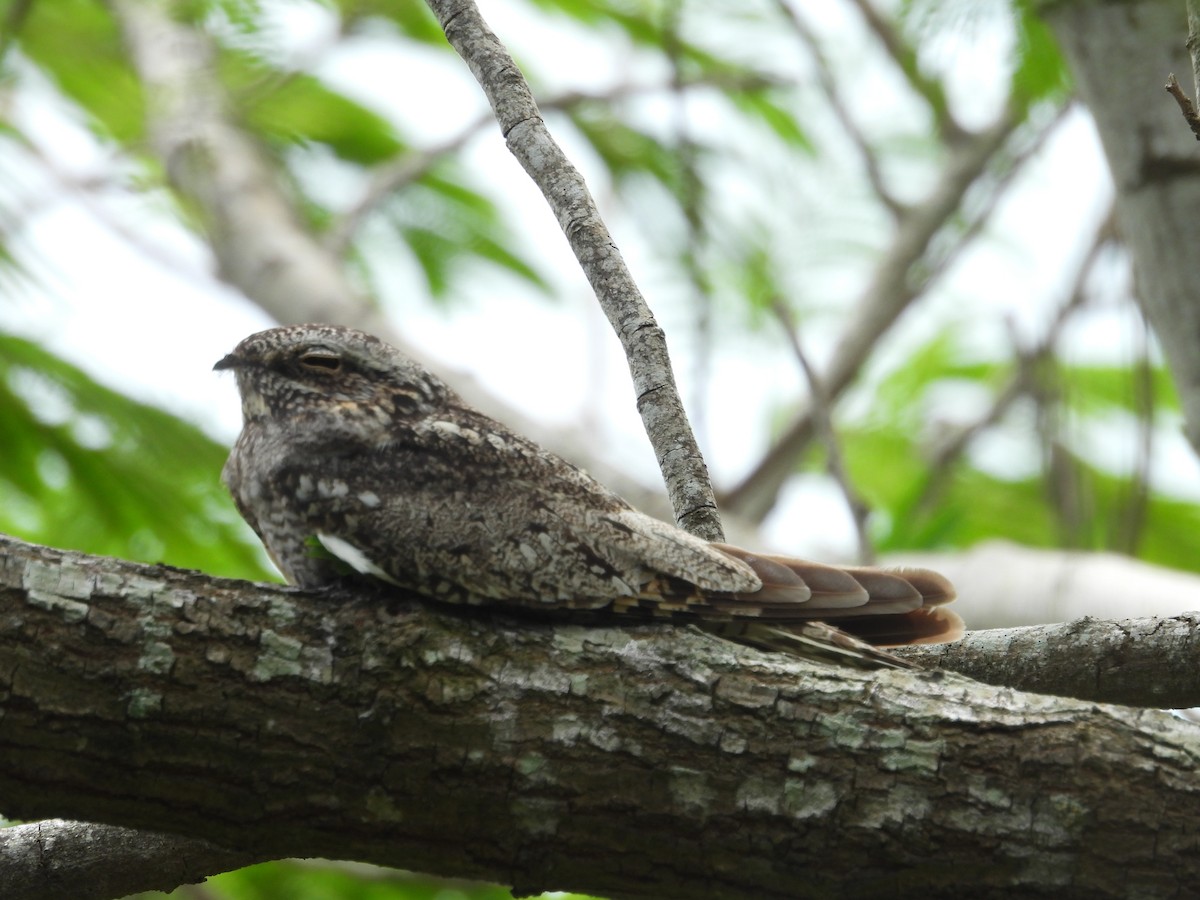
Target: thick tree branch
[617,761]
[1153,161]
[54,859]
[645,346]
[1136,662]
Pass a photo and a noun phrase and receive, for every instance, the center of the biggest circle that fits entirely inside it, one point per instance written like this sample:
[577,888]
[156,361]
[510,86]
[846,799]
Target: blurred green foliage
[288,880]
[84,467]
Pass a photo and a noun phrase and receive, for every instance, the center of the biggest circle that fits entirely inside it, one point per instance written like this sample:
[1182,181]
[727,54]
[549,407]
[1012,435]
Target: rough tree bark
[1121,54]
[651,761]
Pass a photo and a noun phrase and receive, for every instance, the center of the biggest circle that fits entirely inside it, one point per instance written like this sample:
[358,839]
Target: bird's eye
[321,362]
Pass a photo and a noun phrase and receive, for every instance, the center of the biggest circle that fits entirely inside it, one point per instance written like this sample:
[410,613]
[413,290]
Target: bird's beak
[232,361]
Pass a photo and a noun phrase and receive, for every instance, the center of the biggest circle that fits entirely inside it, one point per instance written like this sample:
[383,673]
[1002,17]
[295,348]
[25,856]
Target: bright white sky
[147,315]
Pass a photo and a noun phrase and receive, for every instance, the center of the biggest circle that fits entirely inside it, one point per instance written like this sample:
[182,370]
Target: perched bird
[352,454]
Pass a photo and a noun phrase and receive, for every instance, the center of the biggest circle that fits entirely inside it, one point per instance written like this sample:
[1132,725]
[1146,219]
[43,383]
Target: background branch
[1153,163]
[1136,662]
[822,415]
[889,292]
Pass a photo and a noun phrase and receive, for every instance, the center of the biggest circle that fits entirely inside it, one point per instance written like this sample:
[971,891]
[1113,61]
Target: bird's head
[321,377]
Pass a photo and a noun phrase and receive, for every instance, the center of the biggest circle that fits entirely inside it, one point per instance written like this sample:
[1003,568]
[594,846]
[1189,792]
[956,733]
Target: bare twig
[822,416]
[1185,105]
[256,235]
[658,401]
[905,59]
[1018,385]
[1130,521]
[1122,661]
[1004,171]
[387,179]
[837,104]
[1193,42]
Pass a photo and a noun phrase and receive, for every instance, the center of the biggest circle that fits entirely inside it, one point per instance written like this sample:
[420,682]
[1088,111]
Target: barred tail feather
[859,609]
[921,626]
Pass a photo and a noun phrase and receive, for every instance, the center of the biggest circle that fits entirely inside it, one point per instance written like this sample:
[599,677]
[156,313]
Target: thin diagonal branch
[658,400]
[387,179]
[256,235]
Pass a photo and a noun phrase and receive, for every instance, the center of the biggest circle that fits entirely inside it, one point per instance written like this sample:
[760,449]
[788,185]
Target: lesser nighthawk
[349,444]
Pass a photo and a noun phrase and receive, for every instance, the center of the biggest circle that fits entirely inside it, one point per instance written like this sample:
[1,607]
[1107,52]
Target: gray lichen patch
[138,588]
[1059,818]
[281,612]
[759,794]
[143,703]
[799,761]
[746,692]
[879,809]
[732,742]
[804,799]
[283,656]
[914,756]
[690,788]
[65,580]
[157,658]
[844,728]
[538,816]
[381,805]
[531,765]
[71,611]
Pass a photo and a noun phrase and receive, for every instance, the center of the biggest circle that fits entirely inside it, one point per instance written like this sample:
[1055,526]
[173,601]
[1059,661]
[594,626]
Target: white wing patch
[353,557]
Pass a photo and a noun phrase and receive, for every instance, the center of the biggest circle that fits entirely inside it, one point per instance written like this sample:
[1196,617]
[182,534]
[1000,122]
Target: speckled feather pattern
[348,444]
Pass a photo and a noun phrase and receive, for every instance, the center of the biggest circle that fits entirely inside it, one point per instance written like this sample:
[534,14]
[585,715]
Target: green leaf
[773,113]
[312,881]
[625,150]
[88,469]
[295,107]
[1040,72]
[446,225]
[77,44]
[412,18]
[1097,389]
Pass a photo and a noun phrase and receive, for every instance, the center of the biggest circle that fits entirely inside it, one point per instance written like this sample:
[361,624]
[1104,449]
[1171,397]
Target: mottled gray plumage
[351,446]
